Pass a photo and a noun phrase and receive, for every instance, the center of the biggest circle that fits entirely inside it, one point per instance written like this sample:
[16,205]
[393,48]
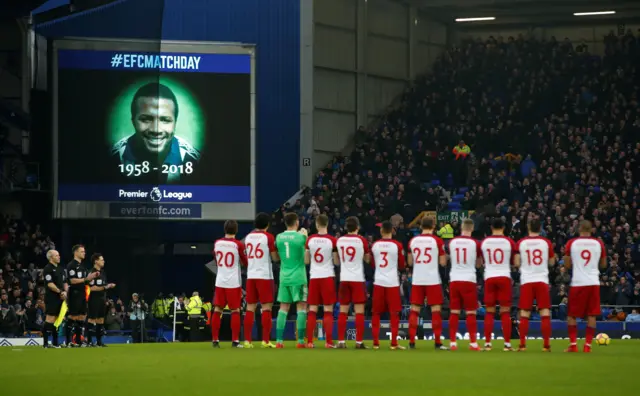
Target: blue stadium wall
[272,25]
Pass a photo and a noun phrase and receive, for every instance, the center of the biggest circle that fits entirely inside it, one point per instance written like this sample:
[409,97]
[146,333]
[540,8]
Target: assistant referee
[97,300]
[53,297]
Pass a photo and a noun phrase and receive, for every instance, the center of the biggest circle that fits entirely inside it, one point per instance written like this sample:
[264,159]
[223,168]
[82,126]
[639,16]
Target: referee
[97,300]
[77,277]
[53,297]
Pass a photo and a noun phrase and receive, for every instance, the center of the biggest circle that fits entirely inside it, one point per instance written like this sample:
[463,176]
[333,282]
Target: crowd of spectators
[553,131]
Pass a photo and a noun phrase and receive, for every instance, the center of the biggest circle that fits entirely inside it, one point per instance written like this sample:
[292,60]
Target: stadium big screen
[160,130]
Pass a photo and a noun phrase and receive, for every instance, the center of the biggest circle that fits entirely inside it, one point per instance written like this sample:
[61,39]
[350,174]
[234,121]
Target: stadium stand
[550,131]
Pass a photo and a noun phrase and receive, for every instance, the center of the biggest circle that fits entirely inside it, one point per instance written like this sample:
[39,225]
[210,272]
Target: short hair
[386,227]
[497,223]
[467,225]
[535,225]
[75,248]
[231,227]
[428,223]
[153,90]
[262,221]
[95,257]
[290,219]
[322,220]
[585,226]
[352,224]
[50,254]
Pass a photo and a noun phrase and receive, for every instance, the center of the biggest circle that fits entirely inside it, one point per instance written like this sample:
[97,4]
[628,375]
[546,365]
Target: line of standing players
[497,253]
[84,291]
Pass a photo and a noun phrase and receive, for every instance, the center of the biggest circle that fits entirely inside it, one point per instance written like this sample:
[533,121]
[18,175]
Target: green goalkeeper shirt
[291,247]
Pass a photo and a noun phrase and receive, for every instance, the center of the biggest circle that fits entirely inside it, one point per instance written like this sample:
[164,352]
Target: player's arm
[552,254]
[242,255]
[272,248]
[567,255]
[367,251]
[603,262]
[514,252]
[479,256]
[401,259]
[442,255]
[603,255]
[517,259]
[334,252]
[307,252]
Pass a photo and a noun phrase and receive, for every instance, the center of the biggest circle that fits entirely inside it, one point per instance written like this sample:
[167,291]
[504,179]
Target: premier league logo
[155,194]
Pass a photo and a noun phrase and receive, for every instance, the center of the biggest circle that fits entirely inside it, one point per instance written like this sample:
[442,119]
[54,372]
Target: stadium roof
[539,12]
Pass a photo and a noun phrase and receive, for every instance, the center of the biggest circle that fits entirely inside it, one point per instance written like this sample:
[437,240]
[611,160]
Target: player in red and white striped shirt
[322,255]
[465,256]
[586,255]
[534,255]
[497,253]
[353,251]
[426,252]
[387,258]
[229,254]
[261,252]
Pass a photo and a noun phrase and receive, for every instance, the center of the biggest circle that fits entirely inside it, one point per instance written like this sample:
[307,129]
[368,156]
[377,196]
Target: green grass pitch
[198,369]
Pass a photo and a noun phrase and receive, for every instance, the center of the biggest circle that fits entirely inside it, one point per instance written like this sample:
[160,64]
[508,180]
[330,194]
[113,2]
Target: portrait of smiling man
[154,115]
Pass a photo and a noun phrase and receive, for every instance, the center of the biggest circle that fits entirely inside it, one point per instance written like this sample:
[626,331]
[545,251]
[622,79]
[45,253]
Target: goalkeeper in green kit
[293,278]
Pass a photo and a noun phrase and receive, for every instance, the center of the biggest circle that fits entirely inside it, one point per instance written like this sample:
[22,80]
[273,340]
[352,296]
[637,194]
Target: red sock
[436,322]
[413,326]
[215,326]
[472,328]
[359,327]
[248,325]
[488,326]
[342,326]
[454,318]
[505,318]
[375,328]
[589,336]
[523,329]
[573,334]
[395,325]
[546,330]
[266,326]
[311,325]
[327,324]
[235,326]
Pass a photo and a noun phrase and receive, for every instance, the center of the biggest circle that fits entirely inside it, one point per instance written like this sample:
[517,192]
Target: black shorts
[77,303]
[52,305]
[97,308]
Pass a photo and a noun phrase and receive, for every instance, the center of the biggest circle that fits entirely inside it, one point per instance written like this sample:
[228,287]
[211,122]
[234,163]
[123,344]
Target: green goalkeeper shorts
[292,294]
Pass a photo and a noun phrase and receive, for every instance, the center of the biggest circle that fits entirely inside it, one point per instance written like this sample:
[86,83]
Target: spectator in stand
[8,321]
[634,316]
[113,320]
[624,293]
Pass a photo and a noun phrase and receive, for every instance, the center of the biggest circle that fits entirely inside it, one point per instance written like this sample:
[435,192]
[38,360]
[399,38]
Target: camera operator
[137,315]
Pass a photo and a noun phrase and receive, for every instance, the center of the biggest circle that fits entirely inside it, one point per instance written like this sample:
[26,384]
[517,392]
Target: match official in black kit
[97,300]
[77,278]
[53,297]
